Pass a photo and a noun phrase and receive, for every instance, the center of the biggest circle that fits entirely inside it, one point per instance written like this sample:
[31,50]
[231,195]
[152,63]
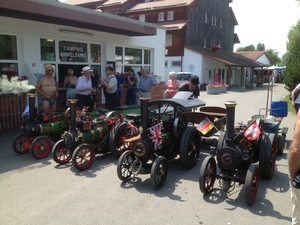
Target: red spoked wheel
[207,175]
[112,119]
[21,143]
[83,156]
[120,133]
[60,153]
[40,147]
[251,183]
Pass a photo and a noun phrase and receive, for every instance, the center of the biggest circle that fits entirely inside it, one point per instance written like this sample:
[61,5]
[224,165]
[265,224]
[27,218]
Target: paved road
[41,192]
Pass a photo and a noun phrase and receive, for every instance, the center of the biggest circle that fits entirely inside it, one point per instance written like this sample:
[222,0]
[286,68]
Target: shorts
[50,100]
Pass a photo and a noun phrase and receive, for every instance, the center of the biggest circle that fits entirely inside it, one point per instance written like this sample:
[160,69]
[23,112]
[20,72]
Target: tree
[273,56]
[260,47]
[292,72]
[245,49]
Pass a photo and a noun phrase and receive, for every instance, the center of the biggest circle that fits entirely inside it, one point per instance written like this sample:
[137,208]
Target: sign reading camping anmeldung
[72,51]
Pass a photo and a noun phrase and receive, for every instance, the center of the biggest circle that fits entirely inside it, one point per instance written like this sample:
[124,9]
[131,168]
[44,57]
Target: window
[212,19]
[8,46]
[147,56]
[176,64]
[221,23]
[72,51]
[95,53]
[166,63]
[205,17]
[134,58]
[47,49]
[161,16]
[170,15]
[204,43]
[211,42]
[215,22]
[169,40]
[142,18]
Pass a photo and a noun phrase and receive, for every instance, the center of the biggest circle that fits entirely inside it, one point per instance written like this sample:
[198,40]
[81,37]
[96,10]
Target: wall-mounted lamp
[76,32]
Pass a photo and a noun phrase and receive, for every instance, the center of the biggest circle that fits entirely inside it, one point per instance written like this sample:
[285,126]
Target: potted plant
[213,89]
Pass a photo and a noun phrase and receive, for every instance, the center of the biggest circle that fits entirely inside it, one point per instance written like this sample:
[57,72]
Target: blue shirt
[147,82]
[120,81]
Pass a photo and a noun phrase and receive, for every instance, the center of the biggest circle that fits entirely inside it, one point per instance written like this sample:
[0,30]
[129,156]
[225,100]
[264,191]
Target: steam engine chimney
[230,114]
[144,114]
[31,100]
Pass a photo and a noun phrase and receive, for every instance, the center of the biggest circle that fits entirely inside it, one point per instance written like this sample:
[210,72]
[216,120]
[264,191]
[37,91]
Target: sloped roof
[228,58]
[254,55]
[102,2]
[173,25]
[160,4]
[54,12]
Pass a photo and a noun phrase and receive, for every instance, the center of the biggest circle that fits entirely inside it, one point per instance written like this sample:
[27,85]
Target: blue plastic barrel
[279,108]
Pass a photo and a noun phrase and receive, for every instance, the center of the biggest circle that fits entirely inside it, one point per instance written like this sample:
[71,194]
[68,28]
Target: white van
[183,77]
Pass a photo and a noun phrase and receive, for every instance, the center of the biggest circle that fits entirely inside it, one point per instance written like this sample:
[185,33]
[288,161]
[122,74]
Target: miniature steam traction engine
[39,130]
[88,134]
[163,137]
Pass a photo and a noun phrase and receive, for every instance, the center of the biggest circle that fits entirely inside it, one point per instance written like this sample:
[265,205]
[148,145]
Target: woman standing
[130,84]
[70,83]
[173,85]
[84,88]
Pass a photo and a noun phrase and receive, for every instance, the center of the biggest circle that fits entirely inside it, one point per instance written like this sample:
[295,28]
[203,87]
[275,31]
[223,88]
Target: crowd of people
[85,87]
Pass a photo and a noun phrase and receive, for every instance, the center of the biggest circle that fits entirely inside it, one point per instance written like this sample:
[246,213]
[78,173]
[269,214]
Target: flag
[133,130]
[252,131]
[205,126]
[156,135]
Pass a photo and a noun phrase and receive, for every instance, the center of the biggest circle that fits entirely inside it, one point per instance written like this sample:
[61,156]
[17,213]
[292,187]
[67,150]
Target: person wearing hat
[110,88]
[192,85]
[47,89]
[84,89]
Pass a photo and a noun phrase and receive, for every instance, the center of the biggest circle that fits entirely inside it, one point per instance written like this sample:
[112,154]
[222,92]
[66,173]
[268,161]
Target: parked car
[183,77]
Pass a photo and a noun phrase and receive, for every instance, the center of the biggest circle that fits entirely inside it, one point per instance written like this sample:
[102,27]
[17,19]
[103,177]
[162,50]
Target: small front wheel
[207,175]
[61,153]
[40,147]
[125,162]
[251,183]
[83,157]
[159,172]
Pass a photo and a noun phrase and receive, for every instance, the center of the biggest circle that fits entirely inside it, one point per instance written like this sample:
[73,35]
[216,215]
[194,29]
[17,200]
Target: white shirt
[83,83]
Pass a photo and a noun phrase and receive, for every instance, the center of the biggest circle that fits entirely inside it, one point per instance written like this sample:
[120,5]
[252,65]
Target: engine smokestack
[230,114]
[144,113]
[31,100]
[73,107]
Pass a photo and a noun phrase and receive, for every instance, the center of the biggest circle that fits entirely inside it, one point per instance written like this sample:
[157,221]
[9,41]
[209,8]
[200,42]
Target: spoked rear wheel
[207,175]
[60,153]
[21,143]
[159,172]
[251,183]
[189,147]
[40,147]
[124,164]
[83,156]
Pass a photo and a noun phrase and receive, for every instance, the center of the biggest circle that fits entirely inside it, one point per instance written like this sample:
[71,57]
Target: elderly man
[47,89]
[84,89]
[147,84]
[110,88]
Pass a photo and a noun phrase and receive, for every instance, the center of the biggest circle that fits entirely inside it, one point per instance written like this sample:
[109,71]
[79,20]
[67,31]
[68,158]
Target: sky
[265,21]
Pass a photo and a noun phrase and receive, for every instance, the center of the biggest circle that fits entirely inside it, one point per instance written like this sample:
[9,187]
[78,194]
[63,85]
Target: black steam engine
[39,129]
[164,134]
[244,154]
[88,134]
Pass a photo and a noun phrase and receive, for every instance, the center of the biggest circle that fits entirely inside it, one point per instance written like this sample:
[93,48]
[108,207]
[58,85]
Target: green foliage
[260,47]
[292,72]
[273,56]
[245,49]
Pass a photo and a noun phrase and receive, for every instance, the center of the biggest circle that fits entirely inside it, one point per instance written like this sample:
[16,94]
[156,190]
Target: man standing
[110,88]
[294,166]
[84,89]
[192,86]
[46,88]
[147,84]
